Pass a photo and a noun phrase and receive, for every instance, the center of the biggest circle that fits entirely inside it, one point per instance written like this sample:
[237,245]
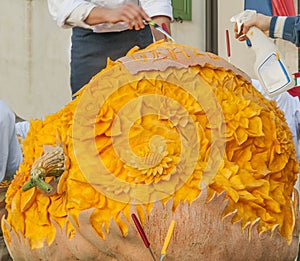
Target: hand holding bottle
[260,21]
[269,66]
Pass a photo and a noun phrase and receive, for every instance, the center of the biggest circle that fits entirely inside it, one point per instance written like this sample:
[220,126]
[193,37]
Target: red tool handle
[228,43]
[140,230]
[164,26]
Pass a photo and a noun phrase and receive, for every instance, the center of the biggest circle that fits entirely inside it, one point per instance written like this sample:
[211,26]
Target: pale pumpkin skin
[208,226]
[201,233]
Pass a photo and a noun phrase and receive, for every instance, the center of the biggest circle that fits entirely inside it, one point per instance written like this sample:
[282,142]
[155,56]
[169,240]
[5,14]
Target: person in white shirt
[10,156]
[102,29]
[10,149]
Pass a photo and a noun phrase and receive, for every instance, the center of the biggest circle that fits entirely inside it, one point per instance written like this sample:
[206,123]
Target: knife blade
[159,28]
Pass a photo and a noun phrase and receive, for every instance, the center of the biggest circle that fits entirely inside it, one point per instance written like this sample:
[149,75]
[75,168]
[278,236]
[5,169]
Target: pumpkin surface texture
[165,133]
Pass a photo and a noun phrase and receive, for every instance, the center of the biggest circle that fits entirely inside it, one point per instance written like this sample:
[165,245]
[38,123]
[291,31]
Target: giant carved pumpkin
[165,133]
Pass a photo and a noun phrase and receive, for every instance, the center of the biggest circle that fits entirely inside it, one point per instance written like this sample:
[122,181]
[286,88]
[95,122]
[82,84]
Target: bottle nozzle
[242,17]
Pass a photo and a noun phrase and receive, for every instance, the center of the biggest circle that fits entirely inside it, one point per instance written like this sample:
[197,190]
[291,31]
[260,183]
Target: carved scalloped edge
[86,242]
[250,228]
[19,247]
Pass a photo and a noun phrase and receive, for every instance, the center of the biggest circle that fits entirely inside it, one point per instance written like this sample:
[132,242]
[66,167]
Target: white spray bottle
[269,67]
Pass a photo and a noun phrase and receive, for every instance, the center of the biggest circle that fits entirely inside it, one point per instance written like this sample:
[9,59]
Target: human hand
[129,13]
[259,20]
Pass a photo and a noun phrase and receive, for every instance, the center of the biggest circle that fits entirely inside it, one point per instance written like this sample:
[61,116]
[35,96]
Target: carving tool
[163,252]
[165,28]
[142,234]
[159,28]
[228,45]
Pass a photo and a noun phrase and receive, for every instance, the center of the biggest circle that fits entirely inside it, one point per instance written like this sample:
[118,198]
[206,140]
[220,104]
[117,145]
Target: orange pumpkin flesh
[153,134]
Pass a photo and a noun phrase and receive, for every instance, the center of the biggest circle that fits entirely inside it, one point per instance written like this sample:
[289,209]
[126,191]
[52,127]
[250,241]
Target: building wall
[34,59]
[192,33]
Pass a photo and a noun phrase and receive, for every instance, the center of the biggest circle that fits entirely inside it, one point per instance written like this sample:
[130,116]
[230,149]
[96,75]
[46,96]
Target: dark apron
[90,51]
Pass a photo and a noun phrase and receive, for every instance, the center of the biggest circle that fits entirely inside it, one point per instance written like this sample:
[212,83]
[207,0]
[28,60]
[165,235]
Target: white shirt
[70,13]
[10,149]
[22,128]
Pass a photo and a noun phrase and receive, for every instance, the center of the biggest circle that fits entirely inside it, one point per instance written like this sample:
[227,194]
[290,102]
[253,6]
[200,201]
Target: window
[182,10]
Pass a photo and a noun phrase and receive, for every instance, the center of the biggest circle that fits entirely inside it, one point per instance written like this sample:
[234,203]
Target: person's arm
[129,13]
[75,10]
[160,12]
[70,13]
[287,28]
